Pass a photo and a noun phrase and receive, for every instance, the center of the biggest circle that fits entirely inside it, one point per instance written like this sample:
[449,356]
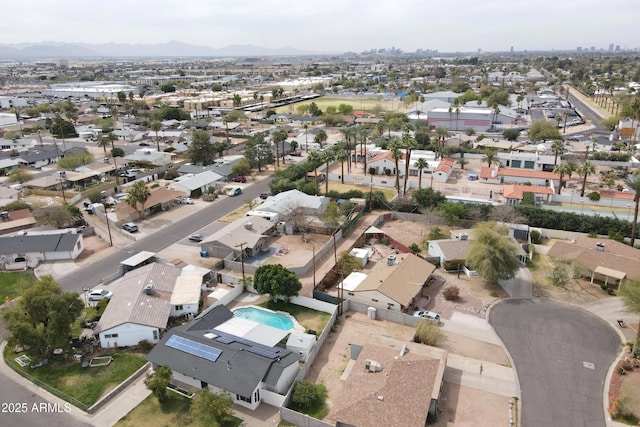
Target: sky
[330,25]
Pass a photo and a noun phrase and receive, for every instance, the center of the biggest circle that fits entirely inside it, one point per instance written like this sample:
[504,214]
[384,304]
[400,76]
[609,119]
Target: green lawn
[309,318]
[14,283]
[86,385]
[174,411]
[369,105]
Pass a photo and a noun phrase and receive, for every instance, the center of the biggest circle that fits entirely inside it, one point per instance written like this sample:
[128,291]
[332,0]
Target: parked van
[234,191]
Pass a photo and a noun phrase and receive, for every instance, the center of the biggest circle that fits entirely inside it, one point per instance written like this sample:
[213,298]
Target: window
[256,395]
[528,164]
[350,293]
[374,300]
[179,307]
[111,336]
[155,334]
[516,163]
[244,399]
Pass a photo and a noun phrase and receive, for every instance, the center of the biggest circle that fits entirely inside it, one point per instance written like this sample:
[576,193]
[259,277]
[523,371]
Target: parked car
[99,294]
[234,191]
[185,200]
[131,227]
[144,144]
[264,196]
[430,315]
[240,178]
[196,237]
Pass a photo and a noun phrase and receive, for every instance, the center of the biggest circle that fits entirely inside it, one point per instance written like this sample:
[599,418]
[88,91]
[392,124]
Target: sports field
[370,105]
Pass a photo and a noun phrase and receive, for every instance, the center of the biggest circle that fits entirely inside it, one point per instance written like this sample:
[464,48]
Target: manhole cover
[588,365]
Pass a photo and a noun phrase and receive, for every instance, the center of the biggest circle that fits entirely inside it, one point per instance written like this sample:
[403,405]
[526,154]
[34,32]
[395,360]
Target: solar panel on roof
[265,352]
[194,348]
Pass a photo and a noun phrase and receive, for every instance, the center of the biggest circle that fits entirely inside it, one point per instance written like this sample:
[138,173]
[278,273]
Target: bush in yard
[452,293]
[158,382]
[536,237]
[145,345]
[427,332]
[305,394]
[415,248]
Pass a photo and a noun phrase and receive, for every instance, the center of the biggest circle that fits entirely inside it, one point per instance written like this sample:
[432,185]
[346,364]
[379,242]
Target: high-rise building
[511,49]
[610,47]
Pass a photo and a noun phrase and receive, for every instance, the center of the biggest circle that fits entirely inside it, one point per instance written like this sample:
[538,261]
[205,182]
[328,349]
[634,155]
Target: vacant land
[367,104]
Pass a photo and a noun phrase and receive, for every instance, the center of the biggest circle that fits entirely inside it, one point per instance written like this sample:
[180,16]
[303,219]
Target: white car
[99,294]
[430,315]
[234,191]
[186,200]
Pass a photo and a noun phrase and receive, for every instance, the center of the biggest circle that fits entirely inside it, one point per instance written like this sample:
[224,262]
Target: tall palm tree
[490,158]
[563,169]
[557,146]
[364,133]
[103,142]
[395,147]
[420,164]
[409,144]
[306,140]
[585,169]
[279,136]
[315,159]
[633,182]
[156,126]
[112,138]
[442,134]
[328,157]
[341,155]
[138,196]
[349,133]
[462,163]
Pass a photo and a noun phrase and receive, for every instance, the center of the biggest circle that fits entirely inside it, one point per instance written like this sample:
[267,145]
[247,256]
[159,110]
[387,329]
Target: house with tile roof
[499,175]
[220,351]
[394,284]
[513,194]
[607,261]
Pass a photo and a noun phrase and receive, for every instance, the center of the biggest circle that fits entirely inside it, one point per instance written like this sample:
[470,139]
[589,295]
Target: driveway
[561,354]
[520,286]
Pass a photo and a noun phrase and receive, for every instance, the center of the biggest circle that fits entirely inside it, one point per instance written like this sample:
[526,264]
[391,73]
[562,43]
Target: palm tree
[420,164]
[341,155]
[409,144]
[279,136]
[111,138]
[314,159]
[306,140]
[138,196]
[491,158]
[395,147]
[156,126]
[633,182]
[562,169]
[585,169]
[463,162]
[565,116]
[364,133]
[328,157]
[442,133]
[348,134]
[557,146]
[103,142]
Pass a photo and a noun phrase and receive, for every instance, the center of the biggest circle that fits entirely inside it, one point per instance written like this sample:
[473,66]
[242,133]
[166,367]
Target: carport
[608,273]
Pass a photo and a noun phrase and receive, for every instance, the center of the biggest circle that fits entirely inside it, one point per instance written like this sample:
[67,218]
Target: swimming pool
[269,318]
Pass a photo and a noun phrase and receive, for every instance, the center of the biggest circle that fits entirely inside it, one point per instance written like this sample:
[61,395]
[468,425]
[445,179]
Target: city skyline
[332,26]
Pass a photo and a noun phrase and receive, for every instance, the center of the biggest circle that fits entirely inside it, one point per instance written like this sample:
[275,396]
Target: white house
[51,245]
[185,298]
[152,156]
[140,306]
[188,184]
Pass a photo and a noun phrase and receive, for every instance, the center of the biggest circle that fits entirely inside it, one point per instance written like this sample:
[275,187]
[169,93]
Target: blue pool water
[275,320]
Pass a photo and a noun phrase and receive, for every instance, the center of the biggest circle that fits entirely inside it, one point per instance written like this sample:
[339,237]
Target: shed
[301,343]
[362,254]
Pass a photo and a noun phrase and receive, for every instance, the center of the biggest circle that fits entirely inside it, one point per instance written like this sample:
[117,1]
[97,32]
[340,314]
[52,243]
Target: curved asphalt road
[561,355]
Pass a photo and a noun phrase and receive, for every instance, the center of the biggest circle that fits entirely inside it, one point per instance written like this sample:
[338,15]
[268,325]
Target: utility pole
[106,217]
[242,257]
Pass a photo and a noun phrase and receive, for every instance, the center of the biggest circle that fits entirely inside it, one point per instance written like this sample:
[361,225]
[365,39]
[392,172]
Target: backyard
[307,317]
[13,284]
[173,411]
[86,385]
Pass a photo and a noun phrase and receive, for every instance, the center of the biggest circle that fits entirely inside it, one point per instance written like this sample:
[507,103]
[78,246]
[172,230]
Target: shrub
[536,237]
[304,394]
[145,345]
[415,248]
[219,265]
[452,293]
[427,332]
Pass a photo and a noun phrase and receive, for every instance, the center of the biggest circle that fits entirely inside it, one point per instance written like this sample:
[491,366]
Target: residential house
[246,234]
[161,199]
[150,156]
[495,175]
[139,308]
[530,161]
[196,185]
[18,144]
[13,221]
[404,377]
[8,165]
[39,157]
[514,194]
[219,351]
[52,245]
[384,164]
[287,201]
[394,284]
[607,261]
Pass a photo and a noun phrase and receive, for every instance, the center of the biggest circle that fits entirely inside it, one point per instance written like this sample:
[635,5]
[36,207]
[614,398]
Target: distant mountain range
[45,50]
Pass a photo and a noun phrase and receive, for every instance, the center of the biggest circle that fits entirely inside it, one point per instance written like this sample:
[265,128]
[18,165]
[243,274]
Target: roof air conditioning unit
[148,289]
[248,225]
[464,236]
[372,366]
[391,260]
[600,247]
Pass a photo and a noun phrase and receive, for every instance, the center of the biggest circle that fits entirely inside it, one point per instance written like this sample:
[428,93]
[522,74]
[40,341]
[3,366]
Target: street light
[629,211]
[61,176]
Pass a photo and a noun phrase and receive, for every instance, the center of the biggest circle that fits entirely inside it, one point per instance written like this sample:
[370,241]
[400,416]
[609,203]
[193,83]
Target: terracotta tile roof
[513,191]
[527,173]
[613,194]
[445,165]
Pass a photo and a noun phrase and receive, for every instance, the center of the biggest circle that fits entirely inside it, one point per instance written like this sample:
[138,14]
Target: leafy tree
[168,88]
[453,212]
[348,263]
[138,196]
[511,134]
[237,100]
[276,280]
[594,196]
[201,150]
[241,168]
[314,110]
[117,152]
[305,394]
[345,109]
[158,381]
[258,152]
[19,175]
[542,129]
[320,138]
[42,317]
[61,128]
[492,254]
[57,216]
[332,215]
[205,405]
[427,197]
